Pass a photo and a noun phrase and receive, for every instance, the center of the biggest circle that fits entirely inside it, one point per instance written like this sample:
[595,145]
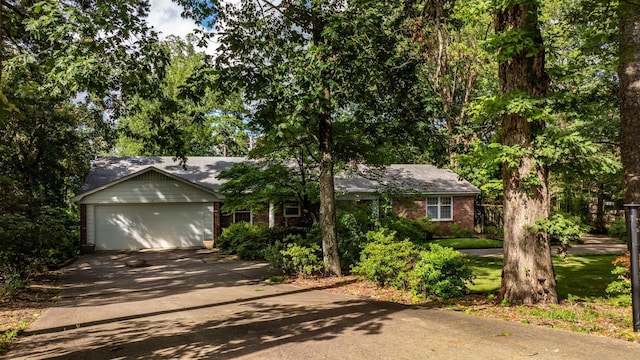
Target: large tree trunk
[527,274]
[629,73]
[327,195]
[327,190]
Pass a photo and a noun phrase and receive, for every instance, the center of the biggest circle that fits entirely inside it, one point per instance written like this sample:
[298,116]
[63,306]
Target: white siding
[208,222]
[145,190]
[123,227]
[91,224]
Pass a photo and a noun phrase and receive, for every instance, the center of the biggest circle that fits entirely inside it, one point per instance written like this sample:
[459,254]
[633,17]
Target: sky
[165,17]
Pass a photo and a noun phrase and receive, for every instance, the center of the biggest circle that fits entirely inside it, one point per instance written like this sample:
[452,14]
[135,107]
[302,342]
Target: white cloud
[165,17]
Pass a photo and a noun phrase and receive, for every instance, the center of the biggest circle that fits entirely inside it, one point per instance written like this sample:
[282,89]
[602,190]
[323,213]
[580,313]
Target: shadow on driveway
[190,305]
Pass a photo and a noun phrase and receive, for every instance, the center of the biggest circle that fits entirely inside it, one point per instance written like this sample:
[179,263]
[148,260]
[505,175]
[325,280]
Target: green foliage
[493,232]
[252,185]
[622,270]
[302,260]
[440,272]
[415,230]
[354,222]
[258,243]
[28,242]
[457,232]
[618,229]
[467,243]
[180,120]
[295,253]
[386,261]
[234,235]
[563,228]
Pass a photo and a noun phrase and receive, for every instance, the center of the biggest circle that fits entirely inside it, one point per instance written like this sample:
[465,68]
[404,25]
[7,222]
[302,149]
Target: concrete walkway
[592,244]
[190,305]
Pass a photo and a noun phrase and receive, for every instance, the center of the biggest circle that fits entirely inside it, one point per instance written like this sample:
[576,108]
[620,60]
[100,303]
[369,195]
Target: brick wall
[463,211]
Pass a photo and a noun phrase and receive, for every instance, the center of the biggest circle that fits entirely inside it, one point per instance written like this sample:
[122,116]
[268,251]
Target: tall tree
[174,121]
[629,74]
[527,275]
[307,68]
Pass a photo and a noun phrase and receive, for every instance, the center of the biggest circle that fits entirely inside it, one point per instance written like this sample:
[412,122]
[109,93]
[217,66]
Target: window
[242,215]
[440,207]
[292,209]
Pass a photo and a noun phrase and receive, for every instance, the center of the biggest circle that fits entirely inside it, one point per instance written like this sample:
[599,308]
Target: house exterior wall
[141,191]
[414,208]
[83,224]
[149,188]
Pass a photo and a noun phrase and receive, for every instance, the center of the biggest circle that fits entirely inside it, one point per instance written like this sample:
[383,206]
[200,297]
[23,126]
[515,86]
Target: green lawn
[582,276]
[468,243]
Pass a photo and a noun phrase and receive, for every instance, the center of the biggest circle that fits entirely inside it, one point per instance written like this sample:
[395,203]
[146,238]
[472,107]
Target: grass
[582,276]
[8,335]
[468,243]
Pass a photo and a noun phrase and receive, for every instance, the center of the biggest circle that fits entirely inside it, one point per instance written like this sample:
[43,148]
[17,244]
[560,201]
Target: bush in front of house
[352,228]
[440,271]
[386,261]
[456,231]
[296,254]
[415,230]
[239,239]
[302,260]
[252,242]
[29,242]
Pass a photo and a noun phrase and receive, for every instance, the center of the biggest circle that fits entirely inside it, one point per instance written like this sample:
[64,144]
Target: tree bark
[326,182]
[629,74]
[527,275]
[327,194]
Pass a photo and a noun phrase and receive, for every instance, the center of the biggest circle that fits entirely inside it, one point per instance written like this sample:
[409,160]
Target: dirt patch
[24,306]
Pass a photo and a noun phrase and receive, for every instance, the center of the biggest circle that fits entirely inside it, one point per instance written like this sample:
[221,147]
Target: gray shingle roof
[405,178]
[203,171]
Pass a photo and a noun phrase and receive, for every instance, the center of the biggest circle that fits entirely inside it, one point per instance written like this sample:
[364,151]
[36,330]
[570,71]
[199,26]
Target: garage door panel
[121,227]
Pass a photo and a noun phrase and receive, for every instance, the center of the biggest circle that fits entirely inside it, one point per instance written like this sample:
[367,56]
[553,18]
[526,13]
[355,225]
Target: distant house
[154,202]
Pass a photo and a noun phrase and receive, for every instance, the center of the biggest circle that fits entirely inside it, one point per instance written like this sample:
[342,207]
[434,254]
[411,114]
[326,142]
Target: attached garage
[144,226]
[146,209]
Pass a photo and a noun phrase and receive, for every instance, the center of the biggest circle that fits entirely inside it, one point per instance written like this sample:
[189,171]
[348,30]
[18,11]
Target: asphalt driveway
[190,305]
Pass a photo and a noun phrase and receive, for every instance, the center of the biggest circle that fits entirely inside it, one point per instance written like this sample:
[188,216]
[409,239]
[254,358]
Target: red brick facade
[463,212]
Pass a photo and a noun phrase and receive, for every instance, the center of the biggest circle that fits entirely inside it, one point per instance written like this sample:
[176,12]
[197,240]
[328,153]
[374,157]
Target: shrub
[236,235]
[618,229]
[386,261]
[494,233]
[622,269]
[416,230]
[250,242]
[302,260]
[273,252]
[28,242]
[457,232]
[352,237]
[441,272]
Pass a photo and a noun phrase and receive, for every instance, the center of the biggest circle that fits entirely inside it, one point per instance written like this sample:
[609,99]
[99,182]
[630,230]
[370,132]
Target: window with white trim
[292,209]
[440,207]
[242,215]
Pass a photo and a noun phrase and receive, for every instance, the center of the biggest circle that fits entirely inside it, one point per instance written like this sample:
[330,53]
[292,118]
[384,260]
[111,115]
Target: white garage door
[145,226]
